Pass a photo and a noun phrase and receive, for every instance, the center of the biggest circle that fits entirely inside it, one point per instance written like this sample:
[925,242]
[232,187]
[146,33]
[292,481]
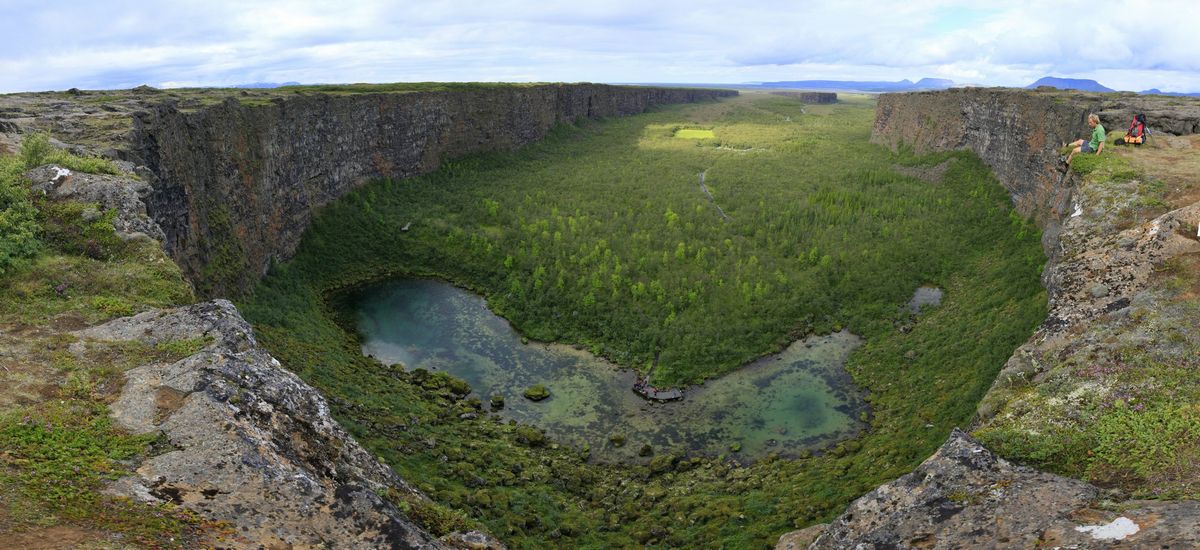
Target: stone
[818,98]
[473,540]
[964,496]
[801,539]
[121,193]
[252,444]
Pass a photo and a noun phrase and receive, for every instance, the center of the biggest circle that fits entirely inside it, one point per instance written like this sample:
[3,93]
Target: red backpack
[1137,133]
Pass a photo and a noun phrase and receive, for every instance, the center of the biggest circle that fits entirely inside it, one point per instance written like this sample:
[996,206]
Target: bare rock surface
[966,497]
[250,443]
[801,539]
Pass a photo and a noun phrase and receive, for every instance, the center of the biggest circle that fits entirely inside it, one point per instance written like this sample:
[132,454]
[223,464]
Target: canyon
[229,183]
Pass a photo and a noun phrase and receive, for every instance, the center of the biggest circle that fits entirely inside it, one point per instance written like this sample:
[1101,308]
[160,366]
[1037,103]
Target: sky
[101,44]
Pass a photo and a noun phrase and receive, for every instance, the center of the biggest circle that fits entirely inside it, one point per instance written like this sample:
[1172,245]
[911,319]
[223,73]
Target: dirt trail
[704,189]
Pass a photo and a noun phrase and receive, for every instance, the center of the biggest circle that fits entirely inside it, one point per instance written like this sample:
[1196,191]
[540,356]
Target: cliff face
[235,184]
[811,97]
[1121,313]
[1018,133]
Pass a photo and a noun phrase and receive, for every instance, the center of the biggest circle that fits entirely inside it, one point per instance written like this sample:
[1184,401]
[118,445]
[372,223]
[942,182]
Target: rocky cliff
[227,181]
[1083,395]
[811,97]
[235,184]
[251,444]
[1018,132]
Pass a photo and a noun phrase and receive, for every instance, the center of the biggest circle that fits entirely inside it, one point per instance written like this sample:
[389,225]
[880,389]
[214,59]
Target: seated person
[1095,145]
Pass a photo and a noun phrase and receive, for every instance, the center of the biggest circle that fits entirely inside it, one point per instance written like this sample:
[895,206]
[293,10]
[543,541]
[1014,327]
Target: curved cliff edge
[1107,295]
[227,185]
[236,183]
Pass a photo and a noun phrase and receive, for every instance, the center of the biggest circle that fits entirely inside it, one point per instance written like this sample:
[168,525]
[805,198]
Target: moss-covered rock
[528,435]
[537,392]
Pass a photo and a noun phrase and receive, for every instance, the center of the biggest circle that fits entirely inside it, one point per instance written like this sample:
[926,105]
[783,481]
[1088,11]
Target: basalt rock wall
[1018,134]
[811,97]
[235,184]
[1097,275]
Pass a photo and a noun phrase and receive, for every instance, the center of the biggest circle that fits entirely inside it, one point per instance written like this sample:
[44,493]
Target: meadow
[684,257]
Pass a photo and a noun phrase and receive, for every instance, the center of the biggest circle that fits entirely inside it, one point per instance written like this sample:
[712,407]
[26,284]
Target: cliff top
[94,122]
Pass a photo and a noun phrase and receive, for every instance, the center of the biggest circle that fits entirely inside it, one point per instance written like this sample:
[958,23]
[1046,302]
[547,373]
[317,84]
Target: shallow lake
[796,400]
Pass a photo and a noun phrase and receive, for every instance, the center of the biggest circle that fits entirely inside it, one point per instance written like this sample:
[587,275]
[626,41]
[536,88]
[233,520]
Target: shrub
[18,217]
[36,150]
[78,228]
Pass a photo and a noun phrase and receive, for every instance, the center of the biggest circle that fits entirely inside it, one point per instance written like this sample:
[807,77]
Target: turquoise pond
[796,400]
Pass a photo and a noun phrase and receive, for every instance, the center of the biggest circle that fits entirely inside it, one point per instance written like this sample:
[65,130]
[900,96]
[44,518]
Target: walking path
[704,189]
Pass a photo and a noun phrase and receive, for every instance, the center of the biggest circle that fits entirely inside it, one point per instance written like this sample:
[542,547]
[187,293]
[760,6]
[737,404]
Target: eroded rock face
[966,497]
[1098,275]
[1017,133]
[252,444]
[236,184]
[817,98]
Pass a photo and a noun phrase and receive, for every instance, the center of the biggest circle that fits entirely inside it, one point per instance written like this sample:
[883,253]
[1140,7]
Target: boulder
[249,442]
[964,496]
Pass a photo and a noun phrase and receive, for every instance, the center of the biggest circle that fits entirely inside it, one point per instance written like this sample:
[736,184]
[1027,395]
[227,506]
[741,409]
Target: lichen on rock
[249,443]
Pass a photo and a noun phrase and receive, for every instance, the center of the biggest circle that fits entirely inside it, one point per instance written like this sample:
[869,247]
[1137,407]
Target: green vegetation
[1118,410]
[647,269]
[18,217]
[601,236]
[694,133]
[19,228]
[537,392]
[62,265]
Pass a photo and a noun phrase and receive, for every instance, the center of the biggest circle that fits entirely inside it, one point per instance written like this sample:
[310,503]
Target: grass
[58,446]
[600,236]
[694,133]
[1117,407]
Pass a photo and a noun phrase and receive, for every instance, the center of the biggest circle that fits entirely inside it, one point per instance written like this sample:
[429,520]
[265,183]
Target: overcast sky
[95,44]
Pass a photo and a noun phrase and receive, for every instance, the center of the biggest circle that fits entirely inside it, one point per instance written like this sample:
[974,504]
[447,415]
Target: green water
[796,400]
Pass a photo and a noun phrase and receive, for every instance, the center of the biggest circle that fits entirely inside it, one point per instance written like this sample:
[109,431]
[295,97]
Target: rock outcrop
[250,444]
[966,497]
[235,184]
[119,193]
[1018,132]
[1099,272]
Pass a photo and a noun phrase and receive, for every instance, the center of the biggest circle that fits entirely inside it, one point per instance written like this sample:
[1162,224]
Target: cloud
[61,44]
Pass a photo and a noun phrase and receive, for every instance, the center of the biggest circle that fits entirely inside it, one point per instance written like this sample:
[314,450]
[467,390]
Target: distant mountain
[934,84]
[265,85]
[905,85]
[1081,84]
[1156,91]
